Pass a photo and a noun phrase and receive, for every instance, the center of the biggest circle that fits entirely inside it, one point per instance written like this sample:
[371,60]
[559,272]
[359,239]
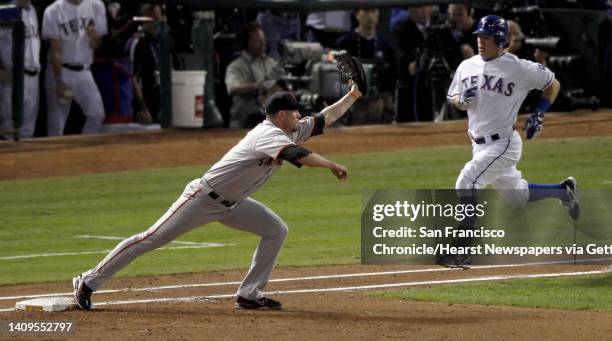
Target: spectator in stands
[143,51]
[245,75]
[464,26]
[366,44]
[279,26]
[515,40]
[411,37]
[327,27]
[30,77]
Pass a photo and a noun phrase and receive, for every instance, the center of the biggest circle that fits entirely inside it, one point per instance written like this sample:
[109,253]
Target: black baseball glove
[351,70]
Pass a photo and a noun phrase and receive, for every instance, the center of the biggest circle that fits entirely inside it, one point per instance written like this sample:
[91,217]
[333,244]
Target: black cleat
[262,303]
[82,293]
[571,202]
[448,261]
[464,261]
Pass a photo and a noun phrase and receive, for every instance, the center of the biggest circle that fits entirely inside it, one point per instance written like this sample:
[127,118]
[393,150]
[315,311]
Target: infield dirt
[342,315]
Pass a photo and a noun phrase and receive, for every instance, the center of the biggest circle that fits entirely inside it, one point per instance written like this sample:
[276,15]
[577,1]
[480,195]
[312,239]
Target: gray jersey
[248,165]
[67,22]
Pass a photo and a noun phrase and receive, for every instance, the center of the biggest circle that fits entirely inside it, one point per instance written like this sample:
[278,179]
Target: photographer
[245,76]
[463,24]
[365,43]
[411,36]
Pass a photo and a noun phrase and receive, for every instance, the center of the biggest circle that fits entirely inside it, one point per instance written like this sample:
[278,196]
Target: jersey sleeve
[100,18]
[455,87]
[50,24]
[309,127]
[235,76]
[535,75]
[272,142]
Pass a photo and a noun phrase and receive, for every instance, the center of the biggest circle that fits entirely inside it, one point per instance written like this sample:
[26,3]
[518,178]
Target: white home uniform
[222,194]
[67,22]
[502,84]
[31,64]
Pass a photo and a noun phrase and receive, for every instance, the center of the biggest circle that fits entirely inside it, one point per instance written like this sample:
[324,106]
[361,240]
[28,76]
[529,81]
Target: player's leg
[89,99]
[57,113]
[488,162]
[30,106]
[6,122]
[193,208]
[254,217]
[518,191]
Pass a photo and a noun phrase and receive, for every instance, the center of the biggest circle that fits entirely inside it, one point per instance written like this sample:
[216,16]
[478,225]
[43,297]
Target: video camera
[313,76]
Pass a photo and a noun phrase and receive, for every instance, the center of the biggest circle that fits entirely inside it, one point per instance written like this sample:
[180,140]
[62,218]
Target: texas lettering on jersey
[490,83]
[76,24]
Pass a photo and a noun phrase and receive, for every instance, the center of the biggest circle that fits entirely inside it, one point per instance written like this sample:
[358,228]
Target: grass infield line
[352,288]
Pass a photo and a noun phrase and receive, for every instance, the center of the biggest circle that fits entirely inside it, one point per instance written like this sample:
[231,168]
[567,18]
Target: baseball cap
[282,100]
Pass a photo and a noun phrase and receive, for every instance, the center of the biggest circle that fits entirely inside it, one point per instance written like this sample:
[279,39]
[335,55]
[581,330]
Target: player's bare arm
[551,92]
[56,62]
[333,112]
[245,88]
[316,160]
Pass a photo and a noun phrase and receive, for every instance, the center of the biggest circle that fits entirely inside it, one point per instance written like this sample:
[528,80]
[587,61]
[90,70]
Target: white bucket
[188,99]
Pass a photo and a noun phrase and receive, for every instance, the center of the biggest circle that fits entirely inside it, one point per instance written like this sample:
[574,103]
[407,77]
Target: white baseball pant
[30,106]
[494,163]
[194,208]
[85,94]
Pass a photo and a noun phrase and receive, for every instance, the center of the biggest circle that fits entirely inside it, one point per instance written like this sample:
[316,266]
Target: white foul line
[188,245]
[351,288]
[308,278]
[86,236]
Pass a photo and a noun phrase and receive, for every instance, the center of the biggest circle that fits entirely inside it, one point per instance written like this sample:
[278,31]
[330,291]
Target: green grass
[323,215]
[575,293]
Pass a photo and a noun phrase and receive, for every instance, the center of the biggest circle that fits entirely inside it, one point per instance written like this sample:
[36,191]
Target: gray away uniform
[222,194]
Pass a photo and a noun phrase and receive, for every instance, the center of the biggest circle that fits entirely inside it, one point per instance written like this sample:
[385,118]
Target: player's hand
[468,96]
[6,77]
[144,117]
[64,93]
[412,68]
[355,90]
[91,32]
[340,172]
[534,125]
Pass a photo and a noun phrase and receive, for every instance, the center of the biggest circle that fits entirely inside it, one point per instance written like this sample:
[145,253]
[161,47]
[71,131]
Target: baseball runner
[491,86]
[31,71]
[222,194]
[74,29]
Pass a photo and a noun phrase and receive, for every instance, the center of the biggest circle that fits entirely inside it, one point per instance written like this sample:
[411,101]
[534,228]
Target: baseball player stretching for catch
[491,86]
[74,29]
[222,194]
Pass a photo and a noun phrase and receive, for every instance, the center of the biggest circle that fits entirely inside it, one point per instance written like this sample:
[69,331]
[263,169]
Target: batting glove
[534,125]
[468,95]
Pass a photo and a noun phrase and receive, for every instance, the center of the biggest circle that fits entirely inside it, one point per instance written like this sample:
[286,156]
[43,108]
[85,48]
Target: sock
[543,191]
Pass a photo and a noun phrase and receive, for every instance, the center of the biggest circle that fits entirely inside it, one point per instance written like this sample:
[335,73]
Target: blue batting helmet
[493,25]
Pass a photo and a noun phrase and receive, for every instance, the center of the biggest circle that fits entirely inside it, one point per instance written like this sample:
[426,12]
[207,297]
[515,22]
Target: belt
[483,139]
[75,67]
[32,72]
[216,197]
